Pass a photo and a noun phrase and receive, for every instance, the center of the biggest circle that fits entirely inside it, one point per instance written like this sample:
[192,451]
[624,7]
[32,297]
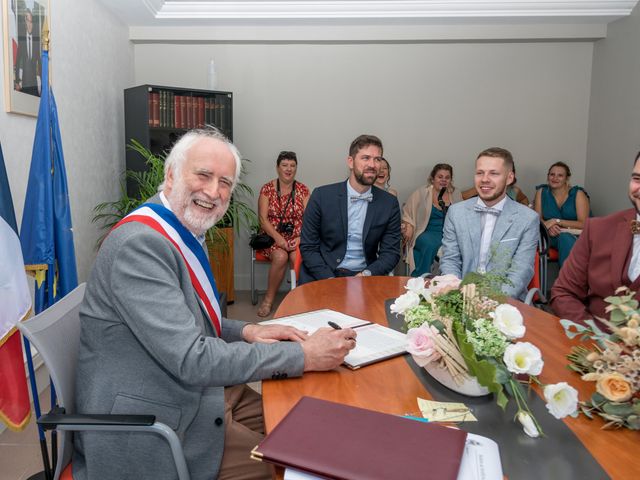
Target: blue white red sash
[164,221]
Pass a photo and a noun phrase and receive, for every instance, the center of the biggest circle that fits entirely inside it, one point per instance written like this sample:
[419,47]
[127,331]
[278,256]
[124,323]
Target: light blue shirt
[356,212]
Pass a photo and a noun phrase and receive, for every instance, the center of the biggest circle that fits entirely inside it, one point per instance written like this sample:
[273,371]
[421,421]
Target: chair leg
[254,293]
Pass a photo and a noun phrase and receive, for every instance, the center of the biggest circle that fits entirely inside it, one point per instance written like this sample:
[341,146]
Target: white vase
[469,386]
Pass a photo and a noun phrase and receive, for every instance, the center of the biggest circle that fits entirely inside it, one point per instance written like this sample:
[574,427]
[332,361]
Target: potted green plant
[219,237]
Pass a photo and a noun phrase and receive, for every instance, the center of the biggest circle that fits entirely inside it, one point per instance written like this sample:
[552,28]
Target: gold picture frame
[22,53]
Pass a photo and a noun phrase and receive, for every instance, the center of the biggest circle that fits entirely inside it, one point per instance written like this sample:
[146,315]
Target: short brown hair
[364,141]
[286,155]
[567,170]
[497,152]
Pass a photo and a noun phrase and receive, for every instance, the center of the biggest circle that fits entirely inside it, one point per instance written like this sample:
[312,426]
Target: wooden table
[391,386]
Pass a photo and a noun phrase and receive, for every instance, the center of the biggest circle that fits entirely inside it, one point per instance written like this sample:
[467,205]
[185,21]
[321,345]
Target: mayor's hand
[326,348]
[272,333]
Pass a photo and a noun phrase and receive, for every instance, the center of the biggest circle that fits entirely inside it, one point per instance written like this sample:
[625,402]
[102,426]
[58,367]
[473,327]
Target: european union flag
[46,235]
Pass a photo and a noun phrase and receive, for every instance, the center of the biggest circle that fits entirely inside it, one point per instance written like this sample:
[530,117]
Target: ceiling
[381,20]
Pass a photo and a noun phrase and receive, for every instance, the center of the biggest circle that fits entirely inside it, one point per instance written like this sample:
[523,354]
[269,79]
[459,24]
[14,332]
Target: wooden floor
[20,451]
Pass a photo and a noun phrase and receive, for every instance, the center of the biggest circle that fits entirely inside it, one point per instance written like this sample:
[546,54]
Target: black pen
[335,326]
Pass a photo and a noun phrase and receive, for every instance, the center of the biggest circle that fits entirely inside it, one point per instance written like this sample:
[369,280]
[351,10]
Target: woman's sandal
[265,308]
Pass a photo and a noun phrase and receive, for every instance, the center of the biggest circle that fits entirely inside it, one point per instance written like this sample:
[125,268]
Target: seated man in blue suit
[351,228]
[491,232]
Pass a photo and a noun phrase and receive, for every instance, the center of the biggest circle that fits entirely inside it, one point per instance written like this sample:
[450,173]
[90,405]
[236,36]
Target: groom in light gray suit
[492,232]
[148,346]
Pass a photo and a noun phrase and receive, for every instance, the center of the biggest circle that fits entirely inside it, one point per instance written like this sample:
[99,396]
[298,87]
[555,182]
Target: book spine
[156,109]
[194,112]
[176,107]
[200,112]
[172,110]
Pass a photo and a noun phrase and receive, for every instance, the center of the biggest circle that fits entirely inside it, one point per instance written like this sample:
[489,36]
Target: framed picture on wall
[23,21]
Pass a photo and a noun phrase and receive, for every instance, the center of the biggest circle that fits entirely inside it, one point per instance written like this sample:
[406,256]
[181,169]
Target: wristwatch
[557,221]
[366,273]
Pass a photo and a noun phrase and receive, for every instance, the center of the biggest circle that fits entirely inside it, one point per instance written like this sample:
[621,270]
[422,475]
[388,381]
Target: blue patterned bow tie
[367,197]
[490,210]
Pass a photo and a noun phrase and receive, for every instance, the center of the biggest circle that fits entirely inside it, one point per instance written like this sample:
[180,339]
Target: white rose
[528,424]
[562,399]
[509,321]
[523,357]
[404,302]
[416,285]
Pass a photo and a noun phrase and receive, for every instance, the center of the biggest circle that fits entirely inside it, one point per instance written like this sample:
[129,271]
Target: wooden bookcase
[157,116]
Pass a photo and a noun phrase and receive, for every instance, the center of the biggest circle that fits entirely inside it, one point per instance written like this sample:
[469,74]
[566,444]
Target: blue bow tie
[489,210]
[367,197]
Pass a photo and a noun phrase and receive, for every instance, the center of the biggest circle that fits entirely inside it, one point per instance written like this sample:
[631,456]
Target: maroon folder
[338,441]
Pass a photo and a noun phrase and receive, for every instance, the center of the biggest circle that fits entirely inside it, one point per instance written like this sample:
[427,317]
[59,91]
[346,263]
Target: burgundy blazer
[596,267]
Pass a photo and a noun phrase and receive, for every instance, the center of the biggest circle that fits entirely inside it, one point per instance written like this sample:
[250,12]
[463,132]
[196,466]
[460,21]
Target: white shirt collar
[352,191]
[497,206]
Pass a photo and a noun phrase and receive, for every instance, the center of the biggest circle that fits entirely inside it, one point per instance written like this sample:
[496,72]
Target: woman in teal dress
[561,207]
[423,218]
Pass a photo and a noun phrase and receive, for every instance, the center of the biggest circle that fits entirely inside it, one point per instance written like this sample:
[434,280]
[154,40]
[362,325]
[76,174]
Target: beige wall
[92,62]
[428,102]
[614,117]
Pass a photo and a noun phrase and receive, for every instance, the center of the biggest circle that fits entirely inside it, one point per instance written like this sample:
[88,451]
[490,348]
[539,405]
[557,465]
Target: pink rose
[444,283]
[422,345]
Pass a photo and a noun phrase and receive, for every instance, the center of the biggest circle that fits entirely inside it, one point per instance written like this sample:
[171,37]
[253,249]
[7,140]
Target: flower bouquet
[466,327]
[613,362]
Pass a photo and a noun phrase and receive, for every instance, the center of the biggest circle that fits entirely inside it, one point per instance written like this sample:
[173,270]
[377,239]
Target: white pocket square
[508,240]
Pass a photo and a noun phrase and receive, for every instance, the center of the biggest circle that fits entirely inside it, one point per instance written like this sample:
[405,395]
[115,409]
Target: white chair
[55,333]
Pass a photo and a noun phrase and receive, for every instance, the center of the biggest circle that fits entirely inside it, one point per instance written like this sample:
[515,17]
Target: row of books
[168,110]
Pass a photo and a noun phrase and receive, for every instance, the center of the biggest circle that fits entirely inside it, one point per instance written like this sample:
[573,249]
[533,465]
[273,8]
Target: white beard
[191,216]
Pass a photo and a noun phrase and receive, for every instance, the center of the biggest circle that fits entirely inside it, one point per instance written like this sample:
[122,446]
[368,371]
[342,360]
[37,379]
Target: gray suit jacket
[147,347]
[513,243]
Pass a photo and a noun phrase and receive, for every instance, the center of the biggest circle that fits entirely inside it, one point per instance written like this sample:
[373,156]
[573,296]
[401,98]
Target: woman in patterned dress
[280,208]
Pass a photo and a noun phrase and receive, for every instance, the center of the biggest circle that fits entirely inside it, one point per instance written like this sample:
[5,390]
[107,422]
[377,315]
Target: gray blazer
[514,242]
[146,346]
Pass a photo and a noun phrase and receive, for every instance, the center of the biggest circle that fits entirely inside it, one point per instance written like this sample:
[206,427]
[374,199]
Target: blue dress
[428,243]
[567,211]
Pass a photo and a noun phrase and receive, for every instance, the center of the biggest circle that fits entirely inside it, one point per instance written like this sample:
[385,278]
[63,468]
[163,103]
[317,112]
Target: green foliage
[240,213]
[450,304]
[485,370]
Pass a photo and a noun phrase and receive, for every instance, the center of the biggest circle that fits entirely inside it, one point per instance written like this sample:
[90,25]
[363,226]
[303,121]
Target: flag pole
[47,474]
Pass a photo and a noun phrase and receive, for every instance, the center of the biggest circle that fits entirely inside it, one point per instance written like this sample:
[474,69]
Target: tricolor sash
[164,221]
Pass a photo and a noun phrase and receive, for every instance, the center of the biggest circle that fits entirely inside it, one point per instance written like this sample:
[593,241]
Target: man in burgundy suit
[605,257]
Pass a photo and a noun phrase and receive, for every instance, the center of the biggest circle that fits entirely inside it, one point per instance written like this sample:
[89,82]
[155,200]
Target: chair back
[55,333]
[295,272]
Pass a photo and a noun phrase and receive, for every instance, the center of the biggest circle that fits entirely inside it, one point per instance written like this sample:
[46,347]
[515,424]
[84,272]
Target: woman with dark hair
[562,208]
[384,177]
[280,208]
[423,218]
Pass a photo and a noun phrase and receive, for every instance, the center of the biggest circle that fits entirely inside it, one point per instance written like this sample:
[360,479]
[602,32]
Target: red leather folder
[338,441]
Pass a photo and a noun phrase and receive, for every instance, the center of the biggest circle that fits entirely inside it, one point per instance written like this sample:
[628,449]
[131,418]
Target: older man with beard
[605,257]
[351,228]
[492,233]
[153,340]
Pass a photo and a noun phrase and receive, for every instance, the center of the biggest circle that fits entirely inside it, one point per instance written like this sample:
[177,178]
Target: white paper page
[312,321]
[480,460]
[291,474]
[374,342]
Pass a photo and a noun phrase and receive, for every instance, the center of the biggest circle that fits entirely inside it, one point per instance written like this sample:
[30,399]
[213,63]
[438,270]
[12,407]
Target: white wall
[92,62]
[429,102]
[614,118]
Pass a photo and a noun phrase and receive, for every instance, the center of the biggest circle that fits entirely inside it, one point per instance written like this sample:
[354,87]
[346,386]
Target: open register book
[374,342]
